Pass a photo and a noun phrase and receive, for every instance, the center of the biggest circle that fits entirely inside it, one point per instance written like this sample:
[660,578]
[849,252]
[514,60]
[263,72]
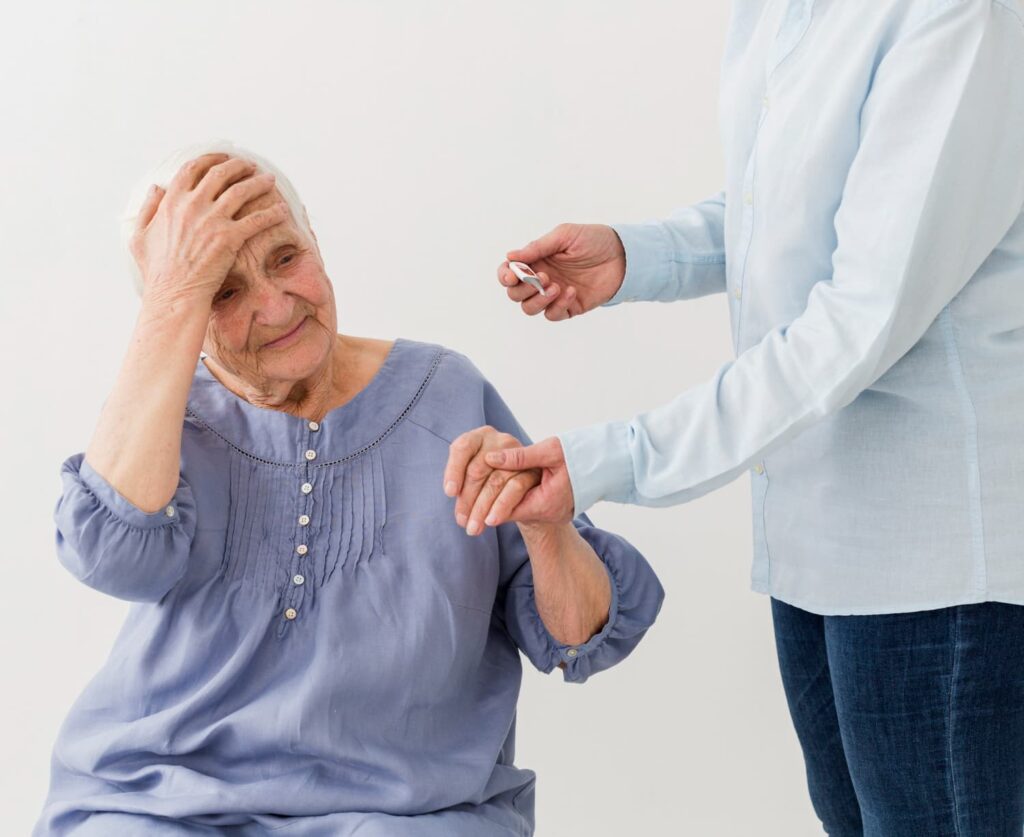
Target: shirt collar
[279,438]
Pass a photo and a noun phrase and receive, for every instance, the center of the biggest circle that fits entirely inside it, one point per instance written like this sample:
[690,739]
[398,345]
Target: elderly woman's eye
[286,258]
[225,295]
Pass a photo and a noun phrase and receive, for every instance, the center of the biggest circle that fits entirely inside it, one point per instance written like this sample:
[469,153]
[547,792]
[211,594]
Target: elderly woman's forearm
[136,445]
[571,584]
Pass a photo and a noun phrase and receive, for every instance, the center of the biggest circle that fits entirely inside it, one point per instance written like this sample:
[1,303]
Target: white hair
[162,174]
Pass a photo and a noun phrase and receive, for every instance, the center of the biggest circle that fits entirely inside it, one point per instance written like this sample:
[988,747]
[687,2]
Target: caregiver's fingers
[536,303]
[563,308]
[521,291]
[512,494]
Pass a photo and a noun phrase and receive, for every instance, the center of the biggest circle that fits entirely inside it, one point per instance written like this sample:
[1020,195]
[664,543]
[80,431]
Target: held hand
[186,238]
[497,480]
[581,266]
[478,486]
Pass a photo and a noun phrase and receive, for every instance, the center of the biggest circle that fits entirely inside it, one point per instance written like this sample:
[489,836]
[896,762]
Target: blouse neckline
[278,438]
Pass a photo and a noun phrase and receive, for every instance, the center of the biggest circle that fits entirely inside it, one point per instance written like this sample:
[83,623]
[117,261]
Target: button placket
[294,593]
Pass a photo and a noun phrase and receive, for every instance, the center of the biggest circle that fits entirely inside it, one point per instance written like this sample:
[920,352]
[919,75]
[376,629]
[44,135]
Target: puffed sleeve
[636,599]
[636,592]
[113,546]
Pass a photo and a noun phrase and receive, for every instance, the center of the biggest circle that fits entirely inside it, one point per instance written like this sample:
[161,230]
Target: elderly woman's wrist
[163,305]
[548,539]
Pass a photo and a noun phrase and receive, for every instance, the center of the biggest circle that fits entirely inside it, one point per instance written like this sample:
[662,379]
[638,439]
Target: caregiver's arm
[937,182]
[585,266]
[185,242]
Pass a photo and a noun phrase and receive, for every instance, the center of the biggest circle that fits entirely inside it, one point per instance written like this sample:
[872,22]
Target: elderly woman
[316,646]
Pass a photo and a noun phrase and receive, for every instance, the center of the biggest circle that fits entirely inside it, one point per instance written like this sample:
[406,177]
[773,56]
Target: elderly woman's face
[274,318]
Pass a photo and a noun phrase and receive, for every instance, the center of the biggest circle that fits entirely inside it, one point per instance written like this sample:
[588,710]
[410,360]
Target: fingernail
[449,488]
[497,457]
[461,519]
[473,528]
[491,520]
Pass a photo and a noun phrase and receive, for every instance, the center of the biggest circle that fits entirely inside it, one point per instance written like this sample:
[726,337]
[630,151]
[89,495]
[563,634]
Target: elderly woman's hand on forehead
[187,238]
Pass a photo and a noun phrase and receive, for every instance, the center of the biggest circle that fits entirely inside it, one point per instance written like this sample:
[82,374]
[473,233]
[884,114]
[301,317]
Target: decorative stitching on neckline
[438,355]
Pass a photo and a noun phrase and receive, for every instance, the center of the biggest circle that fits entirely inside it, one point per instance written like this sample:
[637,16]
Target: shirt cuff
[120,506]
[599,464]
[647,259]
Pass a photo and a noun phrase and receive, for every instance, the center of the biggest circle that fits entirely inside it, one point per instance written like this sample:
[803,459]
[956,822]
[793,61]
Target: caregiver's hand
[497,480]
[581,266]
[186,238]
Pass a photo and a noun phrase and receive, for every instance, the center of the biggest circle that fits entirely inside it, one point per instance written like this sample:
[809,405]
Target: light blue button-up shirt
[870,239]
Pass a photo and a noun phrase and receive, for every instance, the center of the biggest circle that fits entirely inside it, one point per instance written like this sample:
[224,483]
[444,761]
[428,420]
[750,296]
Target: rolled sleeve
[636,599]
[113,546]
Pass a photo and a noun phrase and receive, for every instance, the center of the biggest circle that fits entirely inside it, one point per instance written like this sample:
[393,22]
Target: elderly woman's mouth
[287,339]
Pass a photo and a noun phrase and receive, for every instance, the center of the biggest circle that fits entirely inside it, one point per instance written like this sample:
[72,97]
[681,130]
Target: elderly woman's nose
[273,305]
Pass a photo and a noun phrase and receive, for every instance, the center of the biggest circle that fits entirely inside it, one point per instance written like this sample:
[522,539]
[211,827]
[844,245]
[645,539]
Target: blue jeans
[911,724]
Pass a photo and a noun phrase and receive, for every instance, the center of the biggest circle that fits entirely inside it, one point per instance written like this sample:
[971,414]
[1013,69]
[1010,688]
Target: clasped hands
[495,479]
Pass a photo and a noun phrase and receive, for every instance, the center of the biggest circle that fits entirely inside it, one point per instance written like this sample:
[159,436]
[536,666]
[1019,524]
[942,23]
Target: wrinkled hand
[186,237]
[497,480]
[581,267]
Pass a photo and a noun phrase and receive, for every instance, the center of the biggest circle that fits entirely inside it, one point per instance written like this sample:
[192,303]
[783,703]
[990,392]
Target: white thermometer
[524,273]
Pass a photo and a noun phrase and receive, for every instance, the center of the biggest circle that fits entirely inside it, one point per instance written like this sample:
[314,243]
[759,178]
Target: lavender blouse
[316,647]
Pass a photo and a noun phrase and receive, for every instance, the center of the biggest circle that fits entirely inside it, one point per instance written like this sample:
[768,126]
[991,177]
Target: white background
[426,138]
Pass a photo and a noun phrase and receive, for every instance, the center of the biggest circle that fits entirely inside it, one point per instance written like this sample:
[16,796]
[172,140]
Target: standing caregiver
[870,240]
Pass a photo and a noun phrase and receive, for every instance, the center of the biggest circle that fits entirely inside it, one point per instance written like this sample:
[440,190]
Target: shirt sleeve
[111,545]
[937,182]
[636,592]
[681,257]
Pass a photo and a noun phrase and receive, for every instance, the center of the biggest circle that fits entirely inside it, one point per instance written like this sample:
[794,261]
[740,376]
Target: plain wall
[426,139]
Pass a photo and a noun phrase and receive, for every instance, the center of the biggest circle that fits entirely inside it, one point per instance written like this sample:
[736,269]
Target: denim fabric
[911,724]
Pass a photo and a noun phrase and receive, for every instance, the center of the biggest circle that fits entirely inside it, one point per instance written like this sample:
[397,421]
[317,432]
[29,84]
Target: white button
[310,455]
[169,511]
[302,549]
[299,579]
[314,426]
[748,199]
[571,652]
[765,102]
[303,520]
[759,468]
[736,292]
[306,488]
[291,613]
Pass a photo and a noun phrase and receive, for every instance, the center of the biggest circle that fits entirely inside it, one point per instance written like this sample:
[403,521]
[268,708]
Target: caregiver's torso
[796,78]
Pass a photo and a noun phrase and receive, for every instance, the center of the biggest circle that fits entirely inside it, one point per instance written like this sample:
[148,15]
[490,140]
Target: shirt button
[303,520]
[302,549]
[310,455]
[299,579]
[765,101]
[572,652]
[759,468]
[737,292]
[748,199]
[306,487]
[169,511]
[290,613]
[314,426]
